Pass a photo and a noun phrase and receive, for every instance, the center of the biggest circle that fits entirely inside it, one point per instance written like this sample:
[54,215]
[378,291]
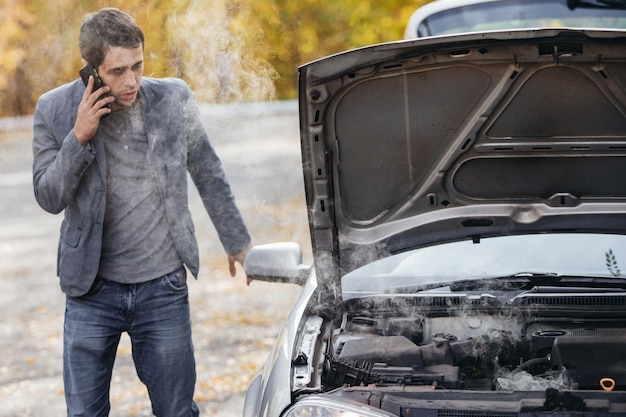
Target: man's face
[122,70]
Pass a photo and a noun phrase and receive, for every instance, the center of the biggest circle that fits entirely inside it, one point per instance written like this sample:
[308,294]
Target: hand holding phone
[88,115]
[90,70]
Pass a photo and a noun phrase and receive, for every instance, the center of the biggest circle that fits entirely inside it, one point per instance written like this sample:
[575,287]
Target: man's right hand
[90,110]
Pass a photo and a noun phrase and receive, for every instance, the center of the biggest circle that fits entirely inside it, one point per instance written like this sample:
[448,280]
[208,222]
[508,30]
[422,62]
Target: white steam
[213,50]
[519,380]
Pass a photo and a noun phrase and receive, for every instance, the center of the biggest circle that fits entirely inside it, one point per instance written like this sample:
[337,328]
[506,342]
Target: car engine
[476,352]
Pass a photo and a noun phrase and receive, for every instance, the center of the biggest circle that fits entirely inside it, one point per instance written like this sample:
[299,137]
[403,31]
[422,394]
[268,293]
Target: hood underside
[412,143]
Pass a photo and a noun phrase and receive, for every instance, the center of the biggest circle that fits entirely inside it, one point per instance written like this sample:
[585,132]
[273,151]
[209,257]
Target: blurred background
[227,50]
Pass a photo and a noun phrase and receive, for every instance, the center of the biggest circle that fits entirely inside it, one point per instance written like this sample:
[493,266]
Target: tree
[227,50]
[15,22]
[306,30]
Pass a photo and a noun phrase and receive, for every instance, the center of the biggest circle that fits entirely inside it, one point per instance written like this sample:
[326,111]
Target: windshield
[518,14]
[589,255]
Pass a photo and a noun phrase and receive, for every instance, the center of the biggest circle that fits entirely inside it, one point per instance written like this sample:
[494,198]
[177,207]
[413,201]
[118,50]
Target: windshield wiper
[578,281]
[513,282]
[596,4]
[522,281]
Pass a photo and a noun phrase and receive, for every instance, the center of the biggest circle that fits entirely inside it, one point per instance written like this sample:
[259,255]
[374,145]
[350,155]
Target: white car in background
[466,197]
[446,17]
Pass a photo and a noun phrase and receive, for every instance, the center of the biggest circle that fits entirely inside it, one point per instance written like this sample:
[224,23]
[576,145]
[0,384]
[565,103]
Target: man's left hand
[240,258]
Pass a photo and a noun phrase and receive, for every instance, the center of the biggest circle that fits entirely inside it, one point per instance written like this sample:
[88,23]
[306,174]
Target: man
[115,160]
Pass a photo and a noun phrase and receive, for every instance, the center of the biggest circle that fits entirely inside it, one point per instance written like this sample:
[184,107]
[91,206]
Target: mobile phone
[88,70]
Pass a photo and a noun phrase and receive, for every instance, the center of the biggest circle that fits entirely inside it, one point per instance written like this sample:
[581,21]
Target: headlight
[315,406]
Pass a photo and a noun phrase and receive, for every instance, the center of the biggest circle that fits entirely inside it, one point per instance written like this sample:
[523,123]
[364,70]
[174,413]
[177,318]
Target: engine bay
[476,352]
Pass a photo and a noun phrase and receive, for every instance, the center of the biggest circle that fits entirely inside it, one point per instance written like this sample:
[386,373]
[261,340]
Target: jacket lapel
[154,135]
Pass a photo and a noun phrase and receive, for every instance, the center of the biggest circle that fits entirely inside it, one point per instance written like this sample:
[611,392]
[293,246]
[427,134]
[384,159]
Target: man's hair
[105,28]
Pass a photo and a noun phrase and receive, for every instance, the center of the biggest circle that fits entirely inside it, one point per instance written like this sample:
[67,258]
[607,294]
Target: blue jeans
[156,316]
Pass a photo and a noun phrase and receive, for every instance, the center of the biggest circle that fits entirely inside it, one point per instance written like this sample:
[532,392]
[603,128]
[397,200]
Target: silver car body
[421,157]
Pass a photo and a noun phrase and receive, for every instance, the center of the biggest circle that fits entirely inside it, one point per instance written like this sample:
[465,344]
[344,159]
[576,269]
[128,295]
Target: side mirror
[276,262]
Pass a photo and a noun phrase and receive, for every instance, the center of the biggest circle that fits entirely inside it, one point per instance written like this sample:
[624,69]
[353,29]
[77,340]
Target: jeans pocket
[177,280]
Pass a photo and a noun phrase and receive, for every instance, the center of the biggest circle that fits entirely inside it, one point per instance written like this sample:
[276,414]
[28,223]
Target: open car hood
[412,143]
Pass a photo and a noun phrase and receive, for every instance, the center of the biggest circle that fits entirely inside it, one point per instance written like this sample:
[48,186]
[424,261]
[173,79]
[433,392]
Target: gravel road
[234,325]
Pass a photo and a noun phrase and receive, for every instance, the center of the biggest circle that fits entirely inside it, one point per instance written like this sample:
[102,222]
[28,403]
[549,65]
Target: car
[466,201]
[444,17]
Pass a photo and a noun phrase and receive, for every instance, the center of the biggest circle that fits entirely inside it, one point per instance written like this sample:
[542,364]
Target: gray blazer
[68,177]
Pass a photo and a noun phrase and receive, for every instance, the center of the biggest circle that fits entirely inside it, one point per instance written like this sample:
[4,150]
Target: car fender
[269,392]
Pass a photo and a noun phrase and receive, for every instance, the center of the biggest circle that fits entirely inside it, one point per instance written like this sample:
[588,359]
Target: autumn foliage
[227,50]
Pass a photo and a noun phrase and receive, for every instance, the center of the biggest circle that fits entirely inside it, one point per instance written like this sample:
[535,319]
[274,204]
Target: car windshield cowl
[578,295]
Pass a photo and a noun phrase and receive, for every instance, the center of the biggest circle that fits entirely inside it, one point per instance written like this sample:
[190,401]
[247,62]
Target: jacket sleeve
[59,161]
[207,173]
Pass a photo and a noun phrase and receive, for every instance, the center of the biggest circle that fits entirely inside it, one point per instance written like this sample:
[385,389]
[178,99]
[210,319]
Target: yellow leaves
[309,41]
[10,60]
[228,383]
[14,24]
[15,20]
[308,30]
[227,50]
